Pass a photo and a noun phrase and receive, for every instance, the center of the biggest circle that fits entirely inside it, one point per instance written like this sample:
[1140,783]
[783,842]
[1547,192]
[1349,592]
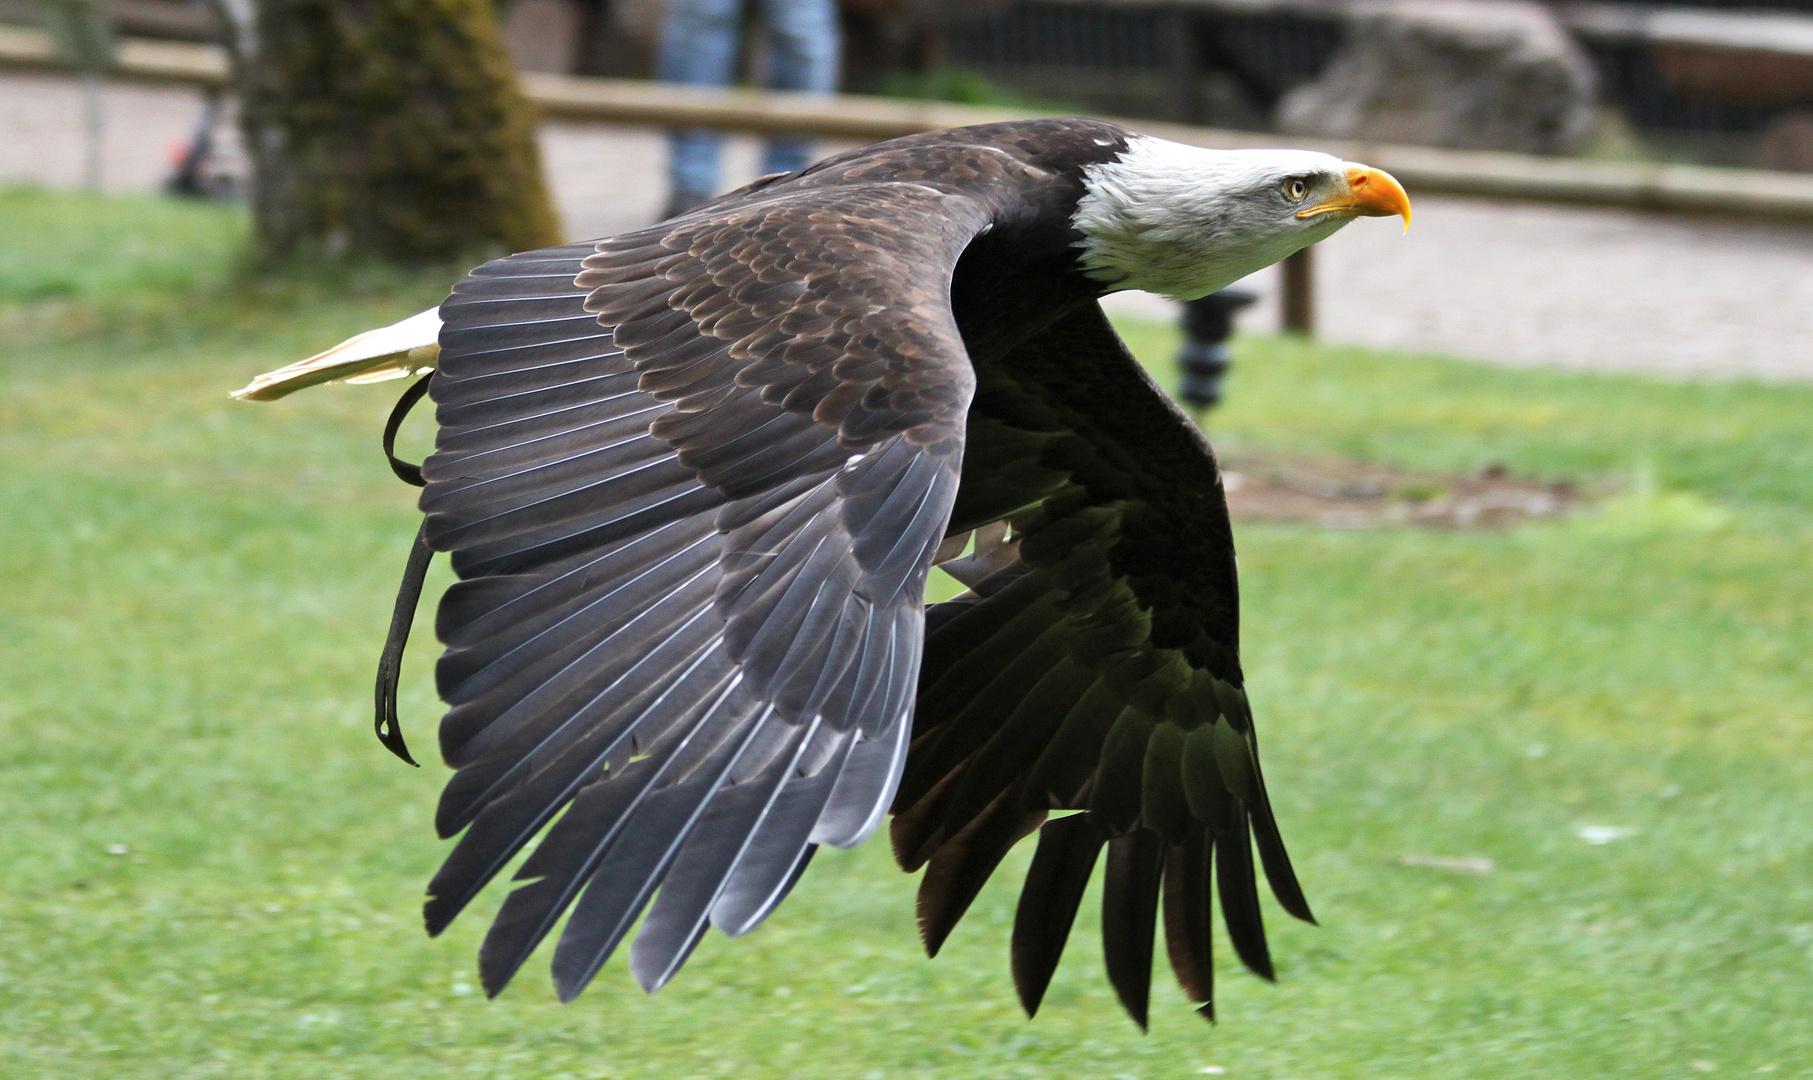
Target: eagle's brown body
[692,480]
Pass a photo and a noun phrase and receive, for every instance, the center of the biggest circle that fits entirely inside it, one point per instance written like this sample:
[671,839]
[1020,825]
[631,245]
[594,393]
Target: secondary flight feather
[692,480]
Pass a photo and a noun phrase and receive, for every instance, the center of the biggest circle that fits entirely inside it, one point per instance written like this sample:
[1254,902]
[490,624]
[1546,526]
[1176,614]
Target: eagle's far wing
[692,480]
[1095,668]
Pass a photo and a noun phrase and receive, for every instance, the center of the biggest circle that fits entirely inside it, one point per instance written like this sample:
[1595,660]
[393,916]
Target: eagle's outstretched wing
[691,479]
[1094,666]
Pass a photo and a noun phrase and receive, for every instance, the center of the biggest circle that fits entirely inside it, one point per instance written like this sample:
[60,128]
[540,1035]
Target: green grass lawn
[212,869]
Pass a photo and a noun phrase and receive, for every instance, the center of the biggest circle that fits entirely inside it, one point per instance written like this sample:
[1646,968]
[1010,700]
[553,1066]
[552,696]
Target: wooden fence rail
[1426,170]
[1422,170]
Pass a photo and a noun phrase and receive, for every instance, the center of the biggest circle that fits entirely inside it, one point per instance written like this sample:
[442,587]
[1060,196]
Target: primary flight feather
[692,479]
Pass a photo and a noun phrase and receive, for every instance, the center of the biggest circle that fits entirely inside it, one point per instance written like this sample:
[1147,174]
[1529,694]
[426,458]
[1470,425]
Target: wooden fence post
[1299,299]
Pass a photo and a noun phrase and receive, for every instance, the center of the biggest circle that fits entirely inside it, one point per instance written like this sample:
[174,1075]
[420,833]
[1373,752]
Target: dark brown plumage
[692,480]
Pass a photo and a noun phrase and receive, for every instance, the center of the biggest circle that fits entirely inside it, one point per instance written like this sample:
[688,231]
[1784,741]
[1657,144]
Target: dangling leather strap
[409,474]
[409,593]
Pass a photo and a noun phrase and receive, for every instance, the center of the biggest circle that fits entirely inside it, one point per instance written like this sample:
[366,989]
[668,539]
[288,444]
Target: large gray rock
[1477,74]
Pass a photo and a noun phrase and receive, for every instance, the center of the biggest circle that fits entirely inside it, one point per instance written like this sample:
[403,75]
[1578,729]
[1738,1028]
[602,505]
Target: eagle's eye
[1296,189]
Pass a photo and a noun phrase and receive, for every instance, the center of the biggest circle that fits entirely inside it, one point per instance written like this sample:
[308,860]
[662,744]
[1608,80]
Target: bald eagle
[693,478]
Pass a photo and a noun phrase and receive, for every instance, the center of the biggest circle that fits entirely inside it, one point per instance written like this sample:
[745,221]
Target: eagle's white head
[1183,222]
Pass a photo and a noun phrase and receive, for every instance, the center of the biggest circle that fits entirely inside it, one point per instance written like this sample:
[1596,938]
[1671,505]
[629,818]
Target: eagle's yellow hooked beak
[1369,192]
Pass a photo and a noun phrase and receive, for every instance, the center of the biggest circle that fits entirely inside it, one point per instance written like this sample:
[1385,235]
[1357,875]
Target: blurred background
[1606,82]
[1523,497]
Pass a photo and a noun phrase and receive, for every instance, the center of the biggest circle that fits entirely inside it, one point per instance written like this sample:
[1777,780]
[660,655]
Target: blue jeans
[699,42]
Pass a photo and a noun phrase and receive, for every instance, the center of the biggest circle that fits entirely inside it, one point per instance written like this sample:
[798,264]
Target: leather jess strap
[409,593]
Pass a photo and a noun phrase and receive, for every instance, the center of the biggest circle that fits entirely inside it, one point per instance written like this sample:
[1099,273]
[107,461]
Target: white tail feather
[391,352]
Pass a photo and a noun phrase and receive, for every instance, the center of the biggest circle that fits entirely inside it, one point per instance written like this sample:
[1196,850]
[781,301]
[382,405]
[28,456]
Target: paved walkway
[1513,283]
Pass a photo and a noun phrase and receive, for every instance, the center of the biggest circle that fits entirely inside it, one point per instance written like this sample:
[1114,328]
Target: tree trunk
[387,128]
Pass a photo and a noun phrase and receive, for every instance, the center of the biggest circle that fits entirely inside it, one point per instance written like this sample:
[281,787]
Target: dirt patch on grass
[1344,494]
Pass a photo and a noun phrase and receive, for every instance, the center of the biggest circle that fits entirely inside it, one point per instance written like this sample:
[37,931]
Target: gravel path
[1515,283]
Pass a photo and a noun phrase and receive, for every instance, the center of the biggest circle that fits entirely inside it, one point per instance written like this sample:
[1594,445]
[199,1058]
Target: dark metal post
[1299,299]
[1207,324]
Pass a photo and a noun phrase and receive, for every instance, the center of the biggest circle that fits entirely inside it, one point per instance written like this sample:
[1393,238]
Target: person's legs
[803,54]
[698,47]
